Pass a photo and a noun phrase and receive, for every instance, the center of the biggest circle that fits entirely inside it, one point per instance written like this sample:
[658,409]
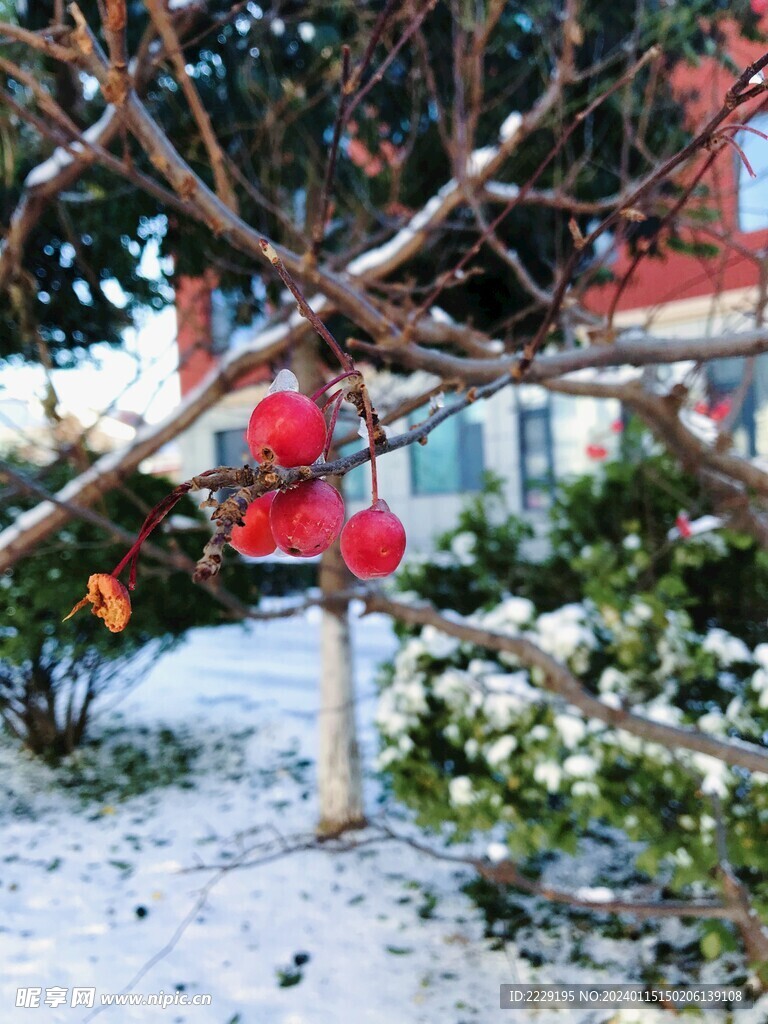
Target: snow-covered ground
[74,875]
[128,894]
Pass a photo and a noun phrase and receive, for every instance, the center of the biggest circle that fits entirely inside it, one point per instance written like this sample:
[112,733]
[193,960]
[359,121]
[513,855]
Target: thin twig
[318,231]
[520,195]
[170,38]
[304,307]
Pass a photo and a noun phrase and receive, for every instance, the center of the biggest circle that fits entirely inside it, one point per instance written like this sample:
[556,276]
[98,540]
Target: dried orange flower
[110,601]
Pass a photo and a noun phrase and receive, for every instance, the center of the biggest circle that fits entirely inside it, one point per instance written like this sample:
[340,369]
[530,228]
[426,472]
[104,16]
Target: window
[760,390]
[753,192]
[357,481]
[232,448]
[222,320]
[536,457]
[726,385]
[452,460]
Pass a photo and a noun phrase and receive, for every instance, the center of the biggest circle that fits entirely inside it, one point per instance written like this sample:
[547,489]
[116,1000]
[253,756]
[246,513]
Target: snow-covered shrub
[473,741]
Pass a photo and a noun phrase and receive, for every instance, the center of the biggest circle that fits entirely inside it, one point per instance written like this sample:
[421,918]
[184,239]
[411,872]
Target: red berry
[254,537]
[683,524]
[373,542]
[720,411]
[759,6]
[306,520]
[286,428]
[597,451]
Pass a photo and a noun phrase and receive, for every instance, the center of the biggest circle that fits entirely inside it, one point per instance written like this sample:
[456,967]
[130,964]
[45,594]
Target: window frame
[469,475]
[748,140]
[529,483]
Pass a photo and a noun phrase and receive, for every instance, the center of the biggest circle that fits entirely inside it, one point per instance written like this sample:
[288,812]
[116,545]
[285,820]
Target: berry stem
[158,513]
[371,445]
[330,383]
[338,398]
[346,361]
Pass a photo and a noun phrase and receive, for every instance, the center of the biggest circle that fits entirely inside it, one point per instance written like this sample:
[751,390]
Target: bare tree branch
[172,44]
[174,559]
[503,873]
[33,526]
[644,351]
[559,680]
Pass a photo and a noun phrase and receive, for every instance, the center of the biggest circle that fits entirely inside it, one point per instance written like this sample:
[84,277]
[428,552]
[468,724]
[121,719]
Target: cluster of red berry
[287,428]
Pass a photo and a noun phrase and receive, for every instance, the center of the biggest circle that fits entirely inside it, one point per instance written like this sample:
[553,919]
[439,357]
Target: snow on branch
[46,172]
[503,872]
[558,679]
[39,522]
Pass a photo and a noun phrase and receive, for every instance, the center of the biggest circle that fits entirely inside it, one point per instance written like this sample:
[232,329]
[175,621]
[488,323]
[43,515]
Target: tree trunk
[339,777]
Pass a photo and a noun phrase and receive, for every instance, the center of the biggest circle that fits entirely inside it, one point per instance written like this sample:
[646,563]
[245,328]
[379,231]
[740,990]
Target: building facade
[710,276]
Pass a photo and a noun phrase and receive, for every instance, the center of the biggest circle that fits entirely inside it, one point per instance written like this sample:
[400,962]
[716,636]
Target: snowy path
[71,880]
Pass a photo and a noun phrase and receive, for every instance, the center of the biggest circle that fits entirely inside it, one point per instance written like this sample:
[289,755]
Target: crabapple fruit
[306,520]
[683,524]
[287,428]
[373,542]
[254,537]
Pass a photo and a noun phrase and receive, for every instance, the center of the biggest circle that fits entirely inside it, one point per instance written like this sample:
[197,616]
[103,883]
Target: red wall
[674,275]
[193,328]
[193,333]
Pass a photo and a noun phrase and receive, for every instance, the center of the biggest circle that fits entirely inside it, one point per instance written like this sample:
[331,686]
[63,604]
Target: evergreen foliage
[45,665]
[644,619]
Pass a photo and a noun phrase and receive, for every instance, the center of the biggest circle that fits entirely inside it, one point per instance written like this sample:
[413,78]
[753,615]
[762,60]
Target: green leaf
[711,945]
